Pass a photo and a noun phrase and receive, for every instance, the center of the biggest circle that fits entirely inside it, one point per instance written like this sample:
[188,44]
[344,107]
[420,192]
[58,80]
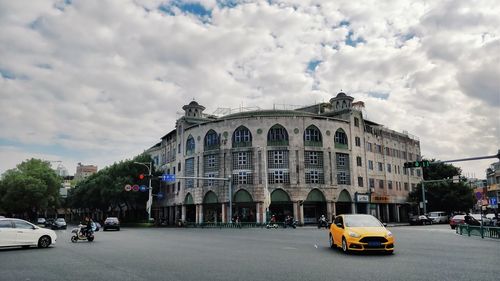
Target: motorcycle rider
[87,226]
[322,222]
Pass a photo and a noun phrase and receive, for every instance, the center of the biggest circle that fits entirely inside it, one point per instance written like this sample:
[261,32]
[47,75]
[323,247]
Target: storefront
[314,206]
[362,202]
[281,206]
[244,206]
[190,208]
[212,210]
[343,205]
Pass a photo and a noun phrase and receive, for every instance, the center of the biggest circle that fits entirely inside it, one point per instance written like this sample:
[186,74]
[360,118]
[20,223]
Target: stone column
[387,212]
[353,208]
[296,211]
[257,212]
[398,219]
[224,219]
[197,212]
[329,210]
[301,214]
[183,213]
[201,213]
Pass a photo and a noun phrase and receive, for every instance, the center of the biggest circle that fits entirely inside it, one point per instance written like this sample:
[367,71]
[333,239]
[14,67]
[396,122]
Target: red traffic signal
[142,176]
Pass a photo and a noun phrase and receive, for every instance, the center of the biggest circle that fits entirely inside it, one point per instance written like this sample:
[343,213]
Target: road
[422,253]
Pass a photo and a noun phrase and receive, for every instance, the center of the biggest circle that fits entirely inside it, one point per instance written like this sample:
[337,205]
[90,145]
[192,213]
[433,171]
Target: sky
[99,81]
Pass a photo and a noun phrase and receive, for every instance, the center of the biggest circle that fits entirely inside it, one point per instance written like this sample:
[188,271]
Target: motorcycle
[322,223]
[77,234]
[290,222]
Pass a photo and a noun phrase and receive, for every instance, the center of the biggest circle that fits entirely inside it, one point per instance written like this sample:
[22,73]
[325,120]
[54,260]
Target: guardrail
[230,225]
[483,231]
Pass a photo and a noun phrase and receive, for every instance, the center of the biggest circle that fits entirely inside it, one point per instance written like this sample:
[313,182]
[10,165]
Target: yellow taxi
[360,233]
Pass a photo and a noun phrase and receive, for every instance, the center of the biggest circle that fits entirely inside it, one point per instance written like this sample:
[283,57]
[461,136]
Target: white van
[438,217]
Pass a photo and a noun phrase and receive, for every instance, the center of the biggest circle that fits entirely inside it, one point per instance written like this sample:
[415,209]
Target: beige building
[322,159]
[83,171]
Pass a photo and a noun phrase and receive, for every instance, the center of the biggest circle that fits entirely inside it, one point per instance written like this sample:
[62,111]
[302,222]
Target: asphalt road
[422,253]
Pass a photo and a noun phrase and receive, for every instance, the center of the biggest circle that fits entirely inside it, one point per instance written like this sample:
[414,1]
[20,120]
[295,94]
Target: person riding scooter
[322,222]
[289,221]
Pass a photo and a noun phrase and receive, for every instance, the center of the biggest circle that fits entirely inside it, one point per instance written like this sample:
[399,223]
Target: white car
[438,217]
[16,232]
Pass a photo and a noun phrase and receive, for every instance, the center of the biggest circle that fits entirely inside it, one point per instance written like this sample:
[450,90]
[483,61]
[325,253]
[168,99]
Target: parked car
[456,220]
[49,222]
[16,232]
[41,221]
[420,220]
[59,223]
[485,220]
[111,223]
[438,217]
[360,233]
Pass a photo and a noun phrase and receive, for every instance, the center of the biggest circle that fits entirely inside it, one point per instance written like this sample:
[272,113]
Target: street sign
[128,187]
[479,195]
[135,187]
[160,195]
[493,201]
[143,188]
[168,177]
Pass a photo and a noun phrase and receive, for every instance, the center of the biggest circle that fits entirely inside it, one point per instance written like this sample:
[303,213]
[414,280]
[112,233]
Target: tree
[30,188]
[446,195]
[104,190]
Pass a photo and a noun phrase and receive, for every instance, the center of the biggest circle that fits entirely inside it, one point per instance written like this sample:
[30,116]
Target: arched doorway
[281,206]
[314,206]
[244,207]
[211,208]
[190,208]
[343,205]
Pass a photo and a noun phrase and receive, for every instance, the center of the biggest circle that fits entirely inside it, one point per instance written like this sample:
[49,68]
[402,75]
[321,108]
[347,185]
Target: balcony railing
[313,143]
[277,143]
[242,144]
[341,146]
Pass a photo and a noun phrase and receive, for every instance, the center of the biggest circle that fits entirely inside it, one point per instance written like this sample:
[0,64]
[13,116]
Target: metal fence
[232,225]
[483,231]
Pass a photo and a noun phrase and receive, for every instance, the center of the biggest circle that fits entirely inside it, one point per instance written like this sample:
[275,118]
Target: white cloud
[106,78]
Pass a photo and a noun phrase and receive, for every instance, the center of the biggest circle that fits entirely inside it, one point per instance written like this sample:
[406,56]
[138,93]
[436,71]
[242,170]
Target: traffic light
[417,164]
[142,176]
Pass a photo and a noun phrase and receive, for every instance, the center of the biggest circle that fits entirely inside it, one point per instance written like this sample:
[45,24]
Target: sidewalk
[395,224]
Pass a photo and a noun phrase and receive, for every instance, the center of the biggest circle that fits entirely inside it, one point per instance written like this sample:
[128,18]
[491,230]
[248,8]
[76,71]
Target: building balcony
[341,146]
[277,143]
[242,144]
[313,143]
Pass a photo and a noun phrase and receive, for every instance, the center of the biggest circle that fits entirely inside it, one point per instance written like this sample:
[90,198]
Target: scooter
[290,222]
[322,223]
[77,234]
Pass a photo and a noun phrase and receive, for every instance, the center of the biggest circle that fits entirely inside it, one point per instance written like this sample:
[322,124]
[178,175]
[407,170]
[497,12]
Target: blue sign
[160,195]
[168,177]
[493,201]
[479,195]
[143,188]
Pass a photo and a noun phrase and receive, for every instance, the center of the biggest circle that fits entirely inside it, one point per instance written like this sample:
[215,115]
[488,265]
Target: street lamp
[150,196]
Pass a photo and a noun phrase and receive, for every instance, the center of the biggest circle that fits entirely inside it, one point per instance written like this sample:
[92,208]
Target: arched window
[190,145]
[340,139]
[211,140]
[242,137]
[277,135]
[312,136]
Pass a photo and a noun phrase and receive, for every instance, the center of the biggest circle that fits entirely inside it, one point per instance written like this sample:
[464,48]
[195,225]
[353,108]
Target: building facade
[83,171]
[322,159]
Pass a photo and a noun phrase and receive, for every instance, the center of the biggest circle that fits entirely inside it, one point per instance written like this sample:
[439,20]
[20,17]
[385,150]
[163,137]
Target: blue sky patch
[193,8]
[349,41]
[227,4]
[311,66]
[7,74]
[344,23]
[379,95]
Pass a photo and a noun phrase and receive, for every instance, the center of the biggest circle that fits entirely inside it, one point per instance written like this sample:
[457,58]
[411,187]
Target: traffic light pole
[150,196]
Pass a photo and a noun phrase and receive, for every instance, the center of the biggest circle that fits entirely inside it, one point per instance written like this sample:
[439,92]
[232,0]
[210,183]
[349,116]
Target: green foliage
[104,190]
[446,195]
[31,187]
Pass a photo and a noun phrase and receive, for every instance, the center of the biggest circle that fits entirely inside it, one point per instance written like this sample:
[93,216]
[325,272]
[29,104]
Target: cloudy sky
[100,81]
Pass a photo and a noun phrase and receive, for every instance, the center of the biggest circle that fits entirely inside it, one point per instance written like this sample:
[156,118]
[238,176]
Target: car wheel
[44,242]
[331,242]
[345,249]
[452,226]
